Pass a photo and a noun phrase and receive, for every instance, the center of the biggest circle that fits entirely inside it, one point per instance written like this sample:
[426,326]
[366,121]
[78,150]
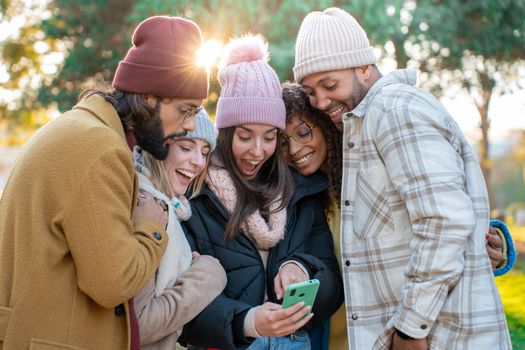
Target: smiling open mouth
[185,173]
[303,159]
[336,112]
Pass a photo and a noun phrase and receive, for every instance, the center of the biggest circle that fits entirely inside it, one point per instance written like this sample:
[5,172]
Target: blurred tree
[24,53]
[93,35]
[469,42]
[478,44]
[509,174]
[96,35]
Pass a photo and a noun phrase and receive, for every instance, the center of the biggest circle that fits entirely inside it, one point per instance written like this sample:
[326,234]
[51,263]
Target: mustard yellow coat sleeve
[112,260]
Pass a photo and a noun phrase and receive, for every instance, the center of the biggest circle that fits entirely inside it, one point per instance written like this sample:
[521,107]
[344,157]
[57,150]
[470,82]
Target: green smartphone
[301,291]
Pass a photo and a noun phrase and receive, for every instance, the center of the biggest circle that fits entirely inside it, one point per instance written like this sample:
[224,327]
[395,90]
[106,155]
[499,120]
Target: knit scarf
[177,256]
[265,234]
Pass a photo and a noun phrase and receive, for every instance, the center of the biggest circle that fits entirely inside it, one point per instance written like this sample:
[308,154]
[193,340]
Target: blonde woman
[185,283]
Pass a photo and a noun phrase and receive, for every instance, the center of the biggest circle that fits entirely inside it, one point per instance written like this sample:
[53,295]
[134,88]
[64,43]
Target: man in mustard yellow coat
[74,245]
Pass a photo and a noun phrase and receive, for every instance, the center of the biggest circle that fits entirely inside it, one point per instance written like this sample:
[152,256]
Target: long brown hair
[298,105]
[272,182]
[138,116]
[127,104]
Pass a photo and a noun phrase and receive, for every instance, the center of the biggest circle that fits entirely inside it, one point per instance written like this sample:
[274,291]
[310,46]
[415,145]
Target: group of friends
[135,222]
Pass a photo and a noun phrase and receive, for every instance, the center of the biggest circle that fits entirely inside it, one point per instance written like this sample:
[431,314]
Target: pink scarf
[265,234]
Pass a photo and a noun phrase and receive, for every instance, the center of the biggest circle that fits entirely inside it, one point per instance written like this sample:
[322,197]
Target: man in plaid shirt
[414,203]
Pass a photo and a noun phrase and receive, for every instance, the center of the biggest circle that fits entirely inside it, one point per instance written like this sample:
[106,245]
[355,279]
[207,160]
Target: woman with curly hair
[311,143]
[301,120]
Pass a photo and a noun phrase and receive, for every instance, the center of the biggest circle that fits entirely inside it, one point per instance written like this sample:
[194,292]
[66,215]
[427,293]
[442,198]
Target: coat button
[157,235]
[347,202]
[355,317]
[120,310]
[351,145]
[347,263]
[423,326]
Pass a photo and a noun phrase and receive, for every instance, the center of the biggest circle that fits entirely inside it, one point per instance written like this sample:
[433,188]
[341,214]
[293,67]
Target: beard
[358,94]
[150,134]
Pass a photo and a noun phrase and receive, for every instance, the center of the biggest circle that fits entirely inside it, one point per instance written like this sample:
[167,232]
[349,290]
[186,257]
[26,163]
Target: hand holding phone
[289,273]
[305,291]
[271,320]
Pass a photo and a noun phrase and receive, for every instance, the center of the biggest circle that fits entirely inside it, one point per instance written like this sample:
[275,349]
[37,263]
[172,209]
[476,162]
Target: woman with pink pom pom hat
[265,223]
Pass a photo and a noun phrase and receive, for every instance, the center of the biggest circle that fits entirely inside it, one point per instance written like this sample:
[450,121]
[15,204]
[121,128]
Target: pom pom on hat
[245,49]
[251,92]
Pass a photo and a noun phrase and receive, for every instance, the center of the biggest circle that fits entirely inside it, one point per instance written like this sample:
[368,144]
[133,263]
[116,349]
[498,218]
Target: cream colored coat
[68,251]
[161,318]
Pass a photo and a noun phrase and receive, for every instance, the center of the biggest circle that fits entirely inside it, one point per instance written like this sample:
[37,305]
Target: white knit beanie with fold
[330,40]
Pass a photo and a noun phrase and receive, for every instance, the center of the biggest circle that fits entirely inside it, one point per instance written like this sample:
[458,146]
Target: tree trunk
[487,85]
[484,150]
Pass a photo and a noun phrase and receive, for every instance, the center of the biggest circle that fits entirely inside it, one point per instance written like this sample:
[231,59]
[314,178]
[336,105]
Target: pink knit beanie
[162,60]
[251,93]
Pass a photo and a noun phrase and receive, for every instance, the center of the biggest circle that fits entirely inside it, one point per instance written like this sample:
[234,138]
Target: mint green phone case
[302,291]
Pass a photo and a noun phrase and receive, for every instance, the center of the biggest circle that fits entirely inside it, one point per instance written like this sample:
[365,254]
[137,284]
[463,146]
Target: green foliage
[20,57]
[475,39]
[512,291]
[492,29]
[96,35]
[4,4]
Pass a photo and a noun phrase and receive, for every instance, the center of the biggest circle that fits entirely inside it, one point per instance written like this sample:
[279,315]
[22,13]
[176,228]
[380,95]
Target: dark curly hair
[298,105]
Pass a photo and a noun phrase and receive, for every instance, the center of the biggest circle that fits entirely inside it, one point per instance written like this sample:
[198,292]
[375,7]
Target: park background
[469,53]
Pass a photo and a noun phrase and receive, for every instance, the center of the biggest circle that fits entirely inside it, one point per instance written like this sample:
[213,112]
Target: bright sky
[507,113]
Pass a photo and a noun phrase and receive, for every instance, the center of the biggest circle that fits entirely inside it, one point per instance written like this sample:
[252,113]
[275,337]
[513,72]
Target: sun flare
[209,53]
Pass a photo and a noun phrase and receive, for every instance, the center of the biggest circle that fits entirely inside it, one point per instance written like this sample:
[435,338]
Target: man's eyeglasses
[189,111]
[302,133]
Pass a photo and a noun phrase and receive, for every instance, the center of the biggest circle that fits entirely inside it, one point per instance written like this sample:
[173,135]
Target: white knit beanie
[330,40]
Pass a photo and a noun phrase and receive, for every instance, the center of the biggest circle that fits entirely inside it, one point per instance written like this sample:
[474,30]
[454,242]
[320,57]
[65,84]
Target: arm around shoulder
[113,260]
[508,248]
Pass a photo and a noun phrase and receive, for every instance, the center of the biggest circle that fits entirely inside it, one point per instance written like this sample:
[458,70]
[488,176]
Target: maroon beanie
[162,60]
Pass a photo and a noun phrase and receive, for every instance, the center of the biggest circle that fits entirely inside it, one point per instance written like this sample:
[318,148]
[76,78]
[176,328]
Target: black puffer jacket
[307,239]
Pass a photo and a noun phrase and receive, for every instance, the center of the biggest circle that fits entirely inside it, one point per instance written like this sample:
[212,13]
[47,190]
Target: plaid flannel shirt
[414,217]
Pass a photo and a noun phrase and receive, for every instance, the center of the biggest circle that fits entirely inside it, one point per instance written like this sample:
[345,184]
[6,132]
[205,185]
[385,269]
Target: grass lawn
[518,233]
[512,290]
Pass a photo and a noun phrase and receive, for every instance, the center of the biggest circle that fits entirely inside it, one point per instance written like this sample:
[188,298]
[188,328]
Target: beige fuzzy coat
[69,255]
[161,318]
